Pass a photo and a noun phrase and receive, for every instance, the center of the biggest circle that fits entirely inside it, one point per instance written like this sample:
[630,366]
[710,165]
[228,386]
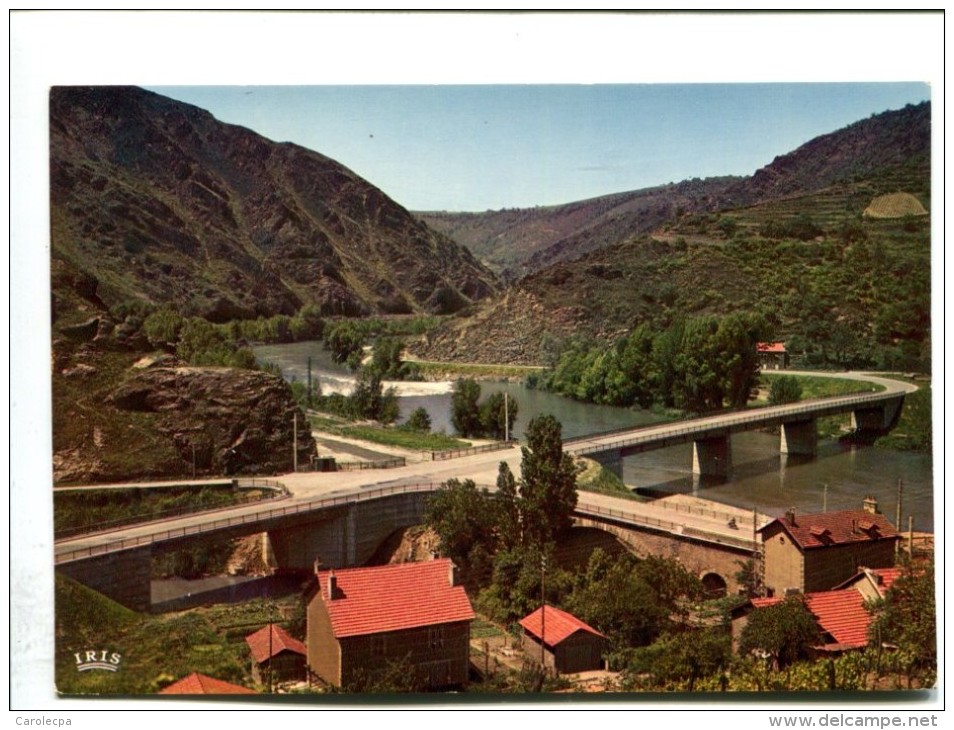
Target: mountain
[520,242]
[155,200]
[791,242]
[516,242]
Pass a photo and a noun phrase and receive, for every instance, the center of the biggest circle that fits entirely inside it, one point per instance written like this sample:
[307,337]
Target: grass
[597,478]
[98,508]
[396,436]
[450,370]
[155,650]
[822,387]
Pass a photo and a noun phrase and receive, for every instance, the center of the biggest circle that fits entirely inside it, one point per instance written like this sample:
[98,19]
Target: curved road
[482,468]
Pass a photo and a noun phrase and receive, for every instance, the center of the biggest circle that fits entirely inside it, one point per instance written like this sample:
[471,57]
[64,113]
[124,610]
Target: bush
[785,389]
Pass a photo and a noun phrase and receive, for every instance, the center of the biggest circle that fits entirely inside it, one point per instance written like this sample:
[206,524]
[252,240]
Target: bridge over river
[344,516]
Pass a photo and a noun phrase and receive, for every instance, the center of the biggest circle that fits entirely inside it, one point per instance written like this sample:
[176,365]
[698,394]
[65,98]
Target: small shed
[772,355]
[275,650]
[567,644]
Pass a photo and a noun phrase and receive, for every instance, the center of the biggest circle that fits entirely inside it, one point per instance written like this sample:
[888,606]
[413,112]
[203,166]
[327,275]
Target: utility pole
[295,443]
[897,516]
[507,416]
[543,611]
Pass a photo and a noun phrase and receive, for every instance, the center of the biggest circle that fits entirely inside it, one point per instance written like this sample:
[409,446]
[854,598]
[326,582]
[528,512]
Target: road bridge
[343,517]
[710,436]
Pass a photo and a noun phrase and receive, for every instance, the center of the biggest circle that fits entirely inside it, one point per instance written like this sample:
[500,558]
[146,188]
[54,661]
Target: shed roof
[835,528]
[393,597]
[778,347]
[264,646]
[200,684]
[842,615]
[555,625]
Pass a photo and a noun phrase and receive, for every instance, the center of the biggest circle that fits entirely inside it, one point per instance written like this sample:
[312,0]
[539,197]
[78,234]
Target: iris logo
[102,659]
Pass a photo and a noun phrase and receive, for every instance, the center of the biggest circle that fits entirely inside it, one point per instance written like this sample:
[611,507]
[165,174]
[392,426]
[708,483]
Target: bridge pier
[878,419]
[712,457]
[799,437]
[123,575]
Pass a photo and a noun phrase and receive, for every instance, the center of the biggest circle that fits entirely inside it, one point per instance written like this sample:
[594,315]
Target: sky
[486,147]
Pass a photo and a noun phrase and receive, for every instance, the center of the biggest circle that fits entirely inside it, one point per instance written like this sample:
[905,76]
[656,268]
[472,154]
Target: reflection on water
[840,477]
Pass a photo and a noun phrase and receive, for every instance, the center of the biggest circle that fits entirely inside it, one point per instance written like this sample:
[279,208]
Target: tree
[465,520]
[785,389]
[906,618]
[370,400]
[497,416]
[510,527]
[547,482]
[465,413]
[784,631]
[419,420]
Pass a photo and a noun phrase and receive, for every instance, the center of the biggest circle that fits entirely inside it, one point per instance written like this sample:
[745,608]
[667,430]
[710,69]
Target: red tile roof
[770,347]
[394,597]
[264,647]
[836,528]
[888,576]
[881,578]
[841,614]
[200,684]
[558,625]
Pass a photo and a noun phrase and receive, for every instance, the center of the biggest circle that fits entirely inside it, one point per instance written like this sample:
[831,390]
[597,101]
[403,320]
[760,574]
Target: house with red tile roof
[200,684]
[872,583]
[772,355]
[276,655]
[361,619]
[816,552]
[840,614]
[565,643]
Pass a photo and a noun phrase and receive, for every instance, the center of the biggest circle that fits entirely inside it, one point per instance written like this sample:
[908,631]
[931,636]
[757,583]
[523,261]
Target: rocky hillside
[520,242]
[119,415]
[152,199]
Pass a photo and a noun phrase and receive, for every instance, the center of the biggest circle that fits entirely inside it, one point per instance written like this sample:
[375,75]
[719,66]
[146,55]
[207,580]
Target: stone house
[275,650]
[816,552]
[566,644]
[772,355]
[362,619]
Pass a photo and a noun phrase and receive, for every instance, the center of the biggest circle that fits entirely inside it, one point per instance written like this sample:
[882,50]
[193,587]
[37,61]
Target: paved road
[482,468]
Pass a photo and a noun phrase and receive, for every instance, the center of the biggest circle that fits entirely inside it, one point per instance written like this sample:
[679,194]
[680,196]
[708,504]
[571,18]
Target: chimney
[451,569]
[790,516]
[871,505]
[854,526]
[332,586]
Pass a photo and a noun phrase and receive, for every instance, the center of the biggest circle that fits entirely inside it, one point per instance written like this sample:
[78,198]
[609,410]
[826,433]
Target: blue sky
[485,147]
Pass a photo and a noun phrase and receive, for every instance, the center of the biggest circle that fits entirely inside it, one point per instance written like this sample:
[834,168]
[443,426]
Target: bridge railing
[273,490]
[392,463]
[242,519]
[738,419]
[470,450]
[675,528]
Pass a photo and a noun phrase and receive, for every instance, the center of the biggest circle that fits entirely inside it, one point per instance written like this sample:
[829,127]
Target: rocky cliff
[156,200]
[118,416]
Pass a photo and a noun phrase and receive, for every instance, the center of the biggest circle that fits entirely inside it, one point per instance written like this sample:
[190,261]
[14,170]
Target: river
[839,477]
